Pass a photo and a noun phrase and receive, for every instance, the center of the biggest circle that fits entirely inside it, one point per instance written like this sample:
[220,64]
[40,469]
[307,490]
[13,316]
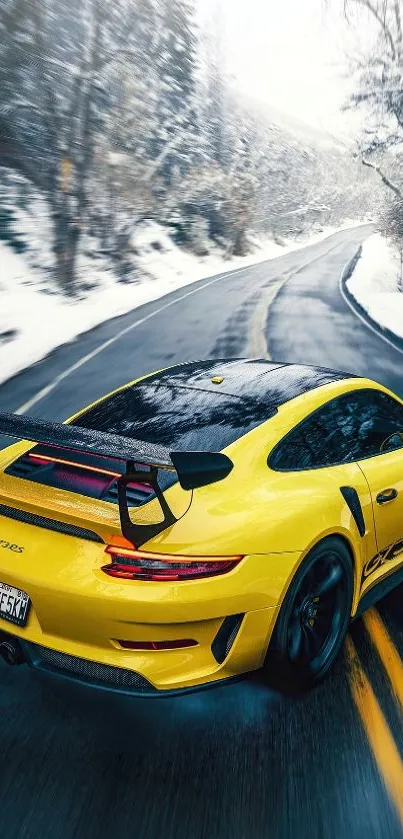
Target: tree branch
[398,26]
[384,178]
[382,22]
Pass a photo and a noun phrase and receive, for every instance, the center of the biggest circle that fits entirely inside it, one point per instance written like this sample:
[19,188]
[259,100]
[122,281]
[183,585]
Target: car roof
[268,382]
[203,405]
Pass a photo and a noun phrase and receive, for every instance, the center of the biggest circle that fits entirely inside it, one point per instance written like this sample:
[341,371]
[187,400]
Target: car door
[382,465]
[384,475]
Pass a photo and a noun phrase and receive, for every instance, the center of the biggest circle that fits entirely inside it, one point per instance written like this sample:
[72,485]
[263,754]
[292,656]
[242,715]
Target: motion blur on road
[178,181]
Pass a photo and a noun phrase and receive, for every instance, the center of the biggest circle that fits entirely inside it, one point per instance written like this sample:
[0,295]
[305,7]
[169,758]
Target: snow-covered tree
[378,71]
[54,100]
[176,120]
[213,92]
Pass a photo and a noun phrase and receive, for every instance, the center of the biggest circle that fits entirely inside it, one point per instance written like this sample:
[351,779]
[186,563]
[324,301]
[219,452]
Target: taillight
[139,565]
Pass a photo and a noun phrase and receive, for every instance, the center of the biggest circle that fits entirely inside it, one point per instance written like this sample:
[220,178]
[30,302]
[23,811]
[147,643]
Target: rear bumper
[151,673]
[79,612]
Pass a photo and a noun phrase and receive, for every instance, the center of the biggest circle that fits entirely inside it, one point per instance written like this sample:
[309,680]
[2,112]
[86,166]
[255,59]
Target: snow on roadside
[374,283]
[187,268]
[35,318]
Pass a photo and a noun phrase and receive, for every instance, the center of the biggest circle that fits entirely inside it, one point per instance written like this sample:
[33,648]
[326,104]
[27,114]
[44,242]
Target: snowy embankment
[375,284]
[35,318]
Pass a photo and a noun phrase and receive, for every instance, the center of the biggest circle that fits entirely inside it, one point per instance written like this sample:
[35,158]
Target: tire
[309,632]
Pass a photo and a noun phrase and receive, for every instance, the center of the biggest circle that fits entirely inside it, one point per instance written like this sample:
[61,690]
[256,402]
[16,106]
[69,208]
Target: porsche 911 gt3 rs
[200,523]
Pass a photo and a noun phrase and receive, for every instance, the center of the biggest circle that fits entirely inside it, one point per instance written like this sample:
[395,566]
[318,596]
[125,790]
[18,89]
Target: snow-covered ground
[374,283]
[35,318]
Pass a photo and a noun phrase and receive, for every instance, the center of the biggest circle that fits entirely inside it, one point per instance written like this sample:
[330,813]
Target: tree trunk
[67,236]
[239,248]
[72,252]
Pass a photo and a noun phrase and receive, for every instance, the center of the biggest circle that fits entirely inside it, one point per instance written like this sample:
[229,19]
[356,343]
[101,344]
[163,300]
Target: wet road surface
[238,761]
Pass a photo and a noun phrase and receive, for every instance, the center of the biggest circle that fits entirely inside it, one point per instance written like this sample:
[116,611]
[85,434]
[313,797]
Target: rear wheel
[313,619]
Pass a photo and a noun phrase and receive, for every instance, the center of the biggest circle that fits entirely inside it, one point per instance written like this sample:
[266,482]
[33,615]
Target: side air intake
[224,640]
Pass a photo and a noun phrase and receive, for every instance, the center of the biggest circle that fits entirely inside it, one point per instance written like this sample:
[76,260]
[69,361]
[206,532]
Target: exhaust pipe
[11,651]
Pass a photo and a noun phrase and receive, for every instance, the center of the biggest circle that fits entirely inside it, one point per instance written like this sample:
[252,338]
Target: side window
[387,426]
[352,427]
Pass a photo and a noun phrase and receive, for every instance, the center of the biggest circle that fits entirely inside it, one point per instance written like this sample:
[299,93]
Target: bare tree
[57,96]
[379,75]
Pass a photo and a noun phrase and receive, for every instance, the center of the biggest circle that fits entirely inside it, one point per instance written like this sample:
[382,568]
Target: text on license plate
[14,604]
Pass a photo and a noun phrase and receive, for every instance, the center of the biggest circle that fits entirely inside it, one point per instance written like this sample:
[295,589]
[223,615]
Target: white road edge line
[80,363]
[360,316]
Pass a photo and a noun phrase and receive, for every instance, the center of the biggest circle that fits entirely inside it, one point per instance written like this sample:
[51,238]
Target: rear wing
[82,440]
[194,469]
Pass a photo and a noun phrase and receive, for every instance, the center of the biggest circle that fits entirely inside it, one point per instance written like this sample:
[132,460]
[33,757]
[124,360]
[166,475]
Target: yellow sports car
[200,523]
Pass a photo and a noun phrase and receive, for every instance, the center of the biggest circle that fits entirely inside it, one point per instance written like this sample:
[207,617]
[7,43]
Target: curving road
[311,321]
[239,761]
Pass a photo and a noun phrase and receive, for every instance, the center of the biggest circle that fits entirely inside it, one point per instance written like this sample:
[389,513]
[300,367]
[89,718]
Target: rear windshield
[180,418]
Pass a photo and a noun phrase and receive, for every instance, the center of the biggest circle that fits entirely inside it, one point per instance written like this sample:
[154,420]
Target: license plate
[14,604]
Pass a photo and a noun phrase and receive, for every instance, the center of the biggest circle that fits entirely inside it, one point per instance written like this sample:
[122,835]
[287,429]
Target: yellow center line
[258,337]
[258,340]
[255,339]
[377,730]
[386,650]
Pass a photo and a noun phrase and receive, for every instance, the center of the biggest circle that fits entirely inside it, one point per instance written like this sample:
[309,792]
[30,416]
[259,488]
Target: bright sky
[291,54]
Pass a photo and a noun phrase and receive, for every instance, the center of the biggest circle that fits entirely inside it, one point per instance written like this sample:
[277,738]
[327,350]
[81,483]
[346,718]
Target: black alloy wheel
[313,619]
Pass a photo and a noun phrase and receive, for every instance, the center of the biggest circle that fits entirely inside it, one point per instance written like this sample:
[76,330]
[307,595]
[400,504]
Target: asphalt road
[240,761]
